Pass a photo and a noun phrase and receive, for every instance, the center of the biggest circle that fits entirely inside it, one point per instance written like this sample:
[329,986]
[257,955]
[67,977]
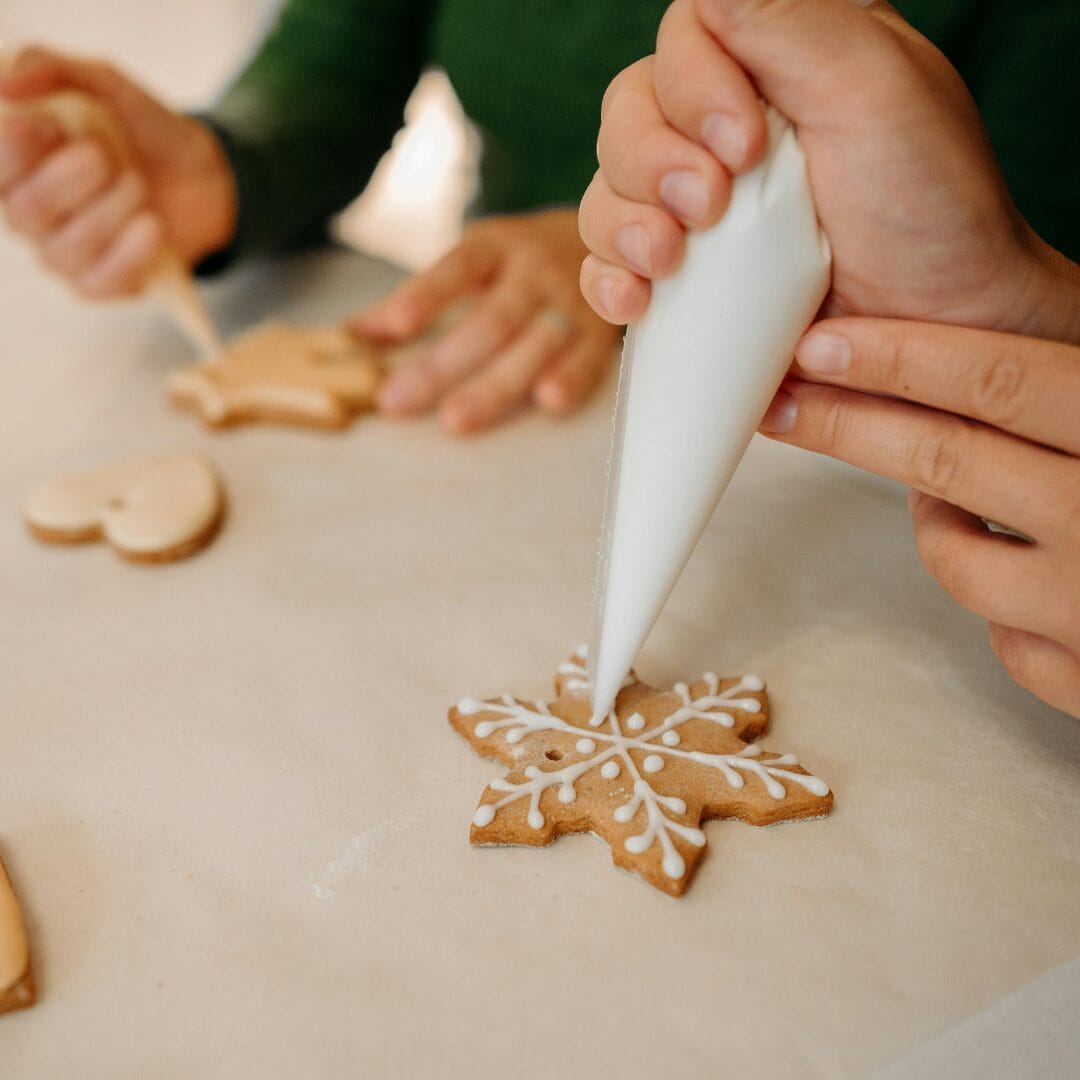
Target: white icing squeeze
[608,751]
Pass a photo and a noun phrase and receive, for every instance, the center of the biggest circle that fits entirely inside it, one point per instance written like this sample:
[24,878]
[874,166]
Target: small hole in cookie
[554,755]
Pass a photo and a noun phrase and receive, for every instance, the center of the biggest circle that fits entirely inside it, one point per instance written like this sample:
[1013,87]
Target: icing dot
[677,805]
[674,865]
[753,682]
[816,786]
[516,735]
[484,728]
[624,813]
[536,819]
[636,844]
[774,789]
[567,794]
[468,706]
[484,815]
[670,738]
[636,722]
[609,770]
[653,763]
[585,746]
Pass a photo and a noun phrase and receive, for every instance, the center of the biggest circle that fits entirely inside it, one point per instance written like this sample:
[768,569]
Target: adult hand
[528,335]
[907,188]
[99,222]
[979,425]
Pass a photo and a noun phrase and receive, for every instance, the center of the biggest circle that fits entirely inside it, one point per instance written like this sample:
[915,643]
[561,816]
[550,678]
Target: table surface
[238,819]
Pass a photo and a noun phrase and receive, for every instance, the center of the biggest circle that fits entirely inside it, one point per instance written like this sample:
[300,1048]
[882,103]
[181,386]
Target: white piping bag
[170,282]
[698,372]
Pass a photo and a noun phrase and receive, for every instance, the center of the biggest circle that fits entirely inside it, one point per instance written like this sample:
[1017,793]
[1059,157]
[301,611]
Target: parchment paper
[238,818]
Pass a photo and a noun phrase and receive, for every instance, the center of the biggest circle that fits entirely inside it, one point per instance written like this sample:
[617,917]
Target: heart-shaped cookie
[16,977]
[150,509]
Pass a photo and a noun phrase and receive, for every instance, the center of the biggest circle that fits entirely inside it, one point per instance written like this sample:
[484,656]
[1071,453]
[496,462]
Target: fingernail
[606,288]
[632,242]
[780,418]
[684,193]
[725,137]
[459,416]
[400,394]
[824,353]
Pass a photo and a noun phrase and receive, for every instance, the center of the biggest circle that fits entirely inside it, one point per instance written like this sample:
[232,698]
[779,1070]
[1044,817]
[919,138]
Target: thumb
[35,71]
[809,56]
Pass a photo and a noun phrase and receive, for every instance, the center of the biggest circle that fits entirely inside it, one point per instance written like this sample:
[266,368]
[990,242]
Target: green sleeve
[307,120]
[1019,60]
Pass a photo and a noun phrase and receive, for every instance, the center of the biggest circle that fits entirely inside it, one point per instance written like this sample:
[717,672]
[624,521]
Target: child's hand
[529,336]
[979,424]
[97,222]
[907,188]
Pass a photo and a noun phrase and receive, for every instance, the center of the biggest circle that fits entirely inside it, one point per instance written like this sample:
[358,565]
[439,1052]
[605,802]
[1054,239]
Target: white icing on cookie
[14,950]
[610,754]
[143,506]
[280,372]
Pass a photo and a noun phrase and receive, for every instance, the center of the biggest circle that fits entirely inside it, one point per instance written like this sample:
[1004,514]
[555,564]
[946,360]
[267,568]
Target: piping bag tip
[173,287]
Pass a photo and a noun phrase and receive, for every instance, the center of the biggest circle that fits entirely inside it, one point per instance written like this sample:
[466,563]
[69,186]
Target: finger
[26,139]
[495,319]
[647,161]
[618,296]
[79,242]
[719,106]
[571,377]
[805,57]
[124,268]
[1001,578]
[971,466]
[1046,668]
[637,236]
[413,307]
[1021,385]
[67,179]
[503,386]
[38,71]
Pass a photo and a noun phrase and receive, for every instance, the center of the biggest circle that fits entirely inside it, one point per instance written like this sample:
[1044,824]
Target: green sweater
[306,122]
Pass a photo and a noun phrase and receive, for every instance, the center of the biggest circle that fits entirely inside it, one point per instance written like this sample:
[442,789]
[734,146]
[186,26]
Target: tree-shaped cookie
[16,977]
[316,377]
[643,778]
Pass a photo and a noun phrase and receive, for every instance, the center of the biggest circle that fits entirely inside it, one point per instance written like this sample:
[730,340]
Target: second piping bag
[698,372]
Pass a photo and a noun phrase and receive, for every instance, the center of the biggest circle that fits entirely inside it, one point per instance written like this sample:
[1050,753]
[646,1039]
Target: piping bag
[698,372]
[170,282]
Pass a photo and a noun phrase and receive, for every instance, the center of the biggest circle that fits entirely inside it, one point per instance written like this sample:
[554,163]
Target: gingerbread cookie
[150,509]
[318,377]
[16,976]
[643,778]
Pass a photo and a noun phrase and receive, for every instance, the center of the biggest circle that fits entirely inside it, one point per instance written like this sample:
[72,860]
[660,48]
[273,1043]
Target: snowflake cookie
[643,778]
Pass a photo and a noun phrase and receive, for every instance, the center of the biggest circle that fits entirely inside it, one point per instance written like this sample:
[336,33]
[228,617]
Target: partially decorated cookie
[643,778]
[277,373]
[16,977]
[150,509]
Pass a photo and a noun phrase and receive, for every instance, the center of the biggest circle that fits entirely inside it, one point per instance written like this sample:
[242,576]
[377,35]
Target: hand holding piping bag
[81,178]
[980,431]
